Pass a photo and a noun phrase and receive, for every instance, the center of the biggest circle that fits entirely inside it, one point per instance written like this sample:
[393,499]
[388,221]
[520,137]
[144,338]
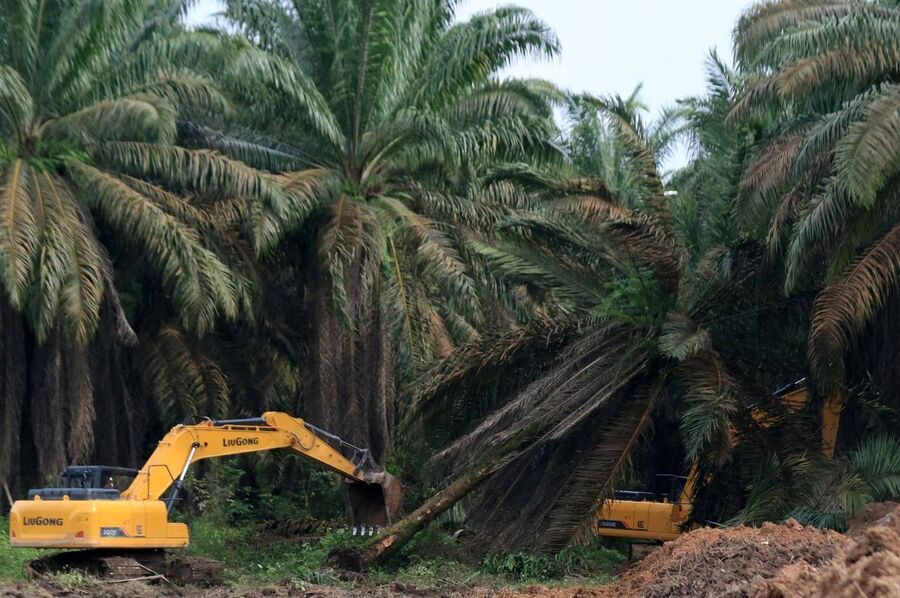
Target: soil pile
[713,562]
[725,562]
[868,566]
[878,513]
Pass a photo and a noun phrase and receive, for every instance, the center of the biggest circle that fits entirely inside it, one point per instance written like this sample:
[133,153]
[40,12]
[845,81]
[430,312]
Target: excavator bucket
[376,504]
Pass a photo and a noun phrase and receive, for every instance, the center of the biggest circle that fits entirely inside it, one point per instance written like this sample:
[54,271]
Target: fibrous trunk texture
[354,391]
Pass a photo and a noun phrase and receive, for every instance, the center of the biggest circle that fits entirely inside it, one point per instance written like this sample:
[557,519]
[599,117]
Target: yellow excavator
[655,517]
[86,511]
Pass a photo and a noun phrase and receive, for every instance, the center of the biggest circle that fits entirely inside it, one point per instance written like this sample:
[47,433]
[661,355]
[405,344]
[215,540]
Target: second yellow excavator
[86,512]
[636,515]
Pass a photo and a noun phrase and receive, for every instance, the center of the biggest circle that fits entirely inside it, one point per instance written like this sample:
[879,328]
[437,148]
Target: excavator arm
[186,444]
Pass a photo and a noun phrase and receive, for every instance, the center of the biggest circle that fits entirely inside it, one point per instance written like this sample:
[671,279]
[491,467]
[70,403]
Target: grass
[247,563]
[12,560]
[432,560]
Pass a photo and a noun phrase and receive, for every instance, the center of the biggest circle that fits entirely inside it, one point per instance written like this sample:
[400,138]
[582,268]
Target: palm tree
[824,96]
[92,175]
[377,112]
[707,186]
[623,319]
[827,494]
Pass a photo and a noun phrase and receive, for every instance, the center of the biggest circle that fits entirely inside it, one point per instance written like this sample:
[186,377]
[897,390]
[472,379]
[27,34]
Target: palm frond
[201,285]
[844,307]
[20,232]
[706,423]
[146,118]
[473,50]
[766,21]
[72,277]
[681,338]
[16,104]
[867,155]
[255,71]
[877,461]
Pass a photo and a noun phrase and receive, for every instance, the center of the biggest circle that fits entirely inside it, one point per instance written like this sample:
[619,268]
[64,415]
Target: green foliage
[823,493]
[877,462]
[594,562]
[345,202]
[72,580]
[823,93]
[12,560]
[224,493]
[247,556]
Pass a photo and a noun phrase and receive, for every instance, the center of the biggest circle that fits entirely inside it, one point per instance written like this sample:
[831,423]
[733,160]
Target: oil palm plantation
[93,178]
[824,182]
[377,111]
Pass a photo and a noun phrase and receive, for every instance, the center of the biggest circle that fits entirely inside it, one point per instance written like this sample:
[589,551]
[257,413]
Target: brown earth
[774,561]
[285,590]
[713,562]
[868,566]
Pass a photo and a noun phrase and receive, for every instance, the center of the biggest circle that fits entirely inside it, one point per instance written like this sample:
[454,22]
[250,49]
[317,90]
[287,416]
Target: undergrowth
[12,560]
[432,559]
[594,562]
[247,555]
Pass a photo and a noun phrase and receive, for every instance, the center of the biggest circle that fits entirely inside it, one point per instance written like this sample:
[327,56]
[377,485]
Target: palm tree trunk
[13,387]
[354,388]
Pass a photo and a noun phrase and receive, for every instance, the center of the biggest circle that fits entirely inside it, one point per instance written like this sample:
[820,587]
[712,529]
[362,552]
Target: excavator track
[149,565]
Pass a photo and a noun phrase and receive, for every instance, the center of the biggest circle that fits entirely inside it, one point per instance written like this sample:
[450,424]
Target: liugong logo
[42,521]
[240,441]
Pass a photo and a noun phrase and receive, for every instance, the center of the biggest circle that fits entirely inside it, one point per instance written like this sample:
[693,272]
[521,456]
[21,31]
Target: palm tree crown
[89,120]
[374,110]
[824,88]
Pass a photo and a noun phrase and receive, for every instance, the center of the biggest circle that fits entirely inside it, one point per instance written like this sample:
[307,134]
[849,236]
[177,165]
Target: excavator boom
[83,514]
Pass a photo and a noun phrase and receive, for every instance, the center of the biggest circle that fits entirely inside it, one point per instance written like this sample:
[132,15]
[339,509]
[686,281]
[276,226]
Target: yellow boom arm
[184,445]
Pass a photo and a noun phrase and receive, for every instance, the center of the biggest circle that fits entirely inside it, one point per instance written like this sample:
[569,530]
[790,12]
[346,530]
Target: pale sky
[609,46]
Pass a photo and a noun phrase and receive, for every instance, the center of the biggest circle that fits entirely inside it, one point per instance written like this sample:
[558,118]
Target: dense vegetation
[343,210]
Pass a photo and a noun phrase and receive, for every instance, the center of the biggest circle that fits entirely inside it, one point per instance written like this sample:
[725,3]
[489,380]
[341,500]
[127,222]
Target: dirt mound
[725,562]
[867,566]
[714,562]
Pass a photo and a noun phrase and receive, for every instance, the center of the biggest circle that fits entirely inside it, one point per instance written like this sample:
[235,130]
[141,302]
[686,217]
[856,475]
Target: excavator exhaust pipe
[376,504]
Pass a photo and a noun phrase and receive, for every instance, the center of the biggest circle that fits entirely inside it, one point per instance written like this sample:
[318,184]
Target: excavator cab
[670,487]
[83,482]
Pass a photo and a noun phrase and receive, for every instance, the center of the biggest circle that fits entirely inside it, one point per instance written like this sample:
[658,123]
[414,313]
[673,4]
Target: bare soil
[869,565]
[285,590]
[774,561]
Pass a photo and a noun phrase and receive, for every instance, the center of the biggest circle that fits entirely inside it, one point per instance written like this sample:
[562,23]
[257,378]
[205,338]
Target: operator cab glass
[87,482]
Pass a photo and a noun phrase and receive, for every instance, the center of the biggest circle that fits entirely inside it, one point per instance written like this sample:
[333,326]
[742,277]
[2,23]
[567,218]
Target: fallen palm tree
[591,386]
